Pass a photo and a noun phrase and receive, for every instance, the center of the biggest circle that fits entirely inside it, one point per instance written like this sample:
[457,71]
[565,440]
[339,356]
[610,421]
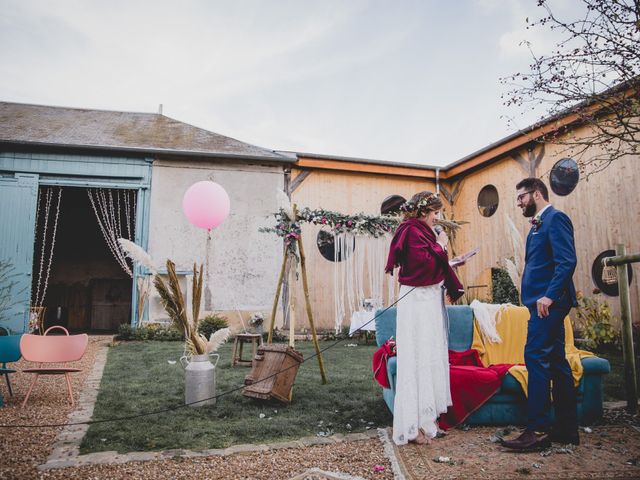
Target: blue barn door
[18,202]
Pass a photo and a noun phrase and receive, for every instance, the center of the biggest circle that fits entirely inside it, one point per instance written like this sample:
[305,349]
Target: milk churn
[199,379]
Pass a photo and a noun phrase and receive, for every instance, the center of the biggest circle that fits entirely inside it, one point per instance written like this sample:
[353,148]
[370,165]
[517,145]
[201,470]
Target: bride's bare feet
[421,439]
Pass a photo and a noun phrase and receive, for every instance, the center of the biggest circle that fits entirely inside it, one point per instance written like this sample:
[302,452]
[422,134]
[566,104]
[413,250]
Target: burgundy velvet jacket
[421,259]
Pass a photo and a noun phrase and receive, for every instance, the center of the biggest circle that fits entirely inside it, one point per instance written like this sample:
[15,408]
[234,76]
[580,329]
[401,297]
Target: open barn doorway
[80,275]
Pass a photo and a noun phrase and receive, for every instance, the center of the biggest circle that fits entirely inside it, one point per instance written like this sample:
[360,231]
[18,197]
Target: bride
[422,385]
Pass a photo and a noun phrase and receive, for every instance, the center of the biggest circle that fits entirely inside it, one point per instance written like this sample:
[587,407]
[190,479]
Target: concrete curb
[67,444]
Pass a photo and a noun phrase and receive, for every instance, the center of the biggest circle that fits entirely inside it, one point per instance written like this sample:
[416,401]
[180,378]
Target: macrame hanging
[359,274]
[47,239]
[115,213]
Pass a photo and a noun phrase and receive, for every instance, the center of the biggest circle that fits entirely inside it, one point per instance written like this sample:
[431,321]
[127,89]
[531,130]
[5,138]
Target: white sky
[408,81]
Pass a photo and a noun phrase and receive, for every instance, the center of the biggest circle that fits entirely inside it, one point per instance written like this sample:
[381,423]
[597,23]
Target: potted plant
[200,377]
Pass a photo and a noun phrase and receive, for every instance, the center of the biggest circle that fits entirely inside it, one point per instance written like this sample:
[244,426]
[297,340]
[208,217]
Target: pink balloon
[206,204]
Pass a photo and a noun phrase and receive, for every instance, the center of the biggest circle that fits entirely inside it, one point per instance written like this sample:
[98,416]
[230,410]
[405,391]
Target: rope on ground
[182,405]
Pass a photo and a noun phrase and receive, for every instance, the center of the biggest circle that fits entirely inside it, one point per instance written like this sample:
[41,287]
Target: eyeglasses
[521,196]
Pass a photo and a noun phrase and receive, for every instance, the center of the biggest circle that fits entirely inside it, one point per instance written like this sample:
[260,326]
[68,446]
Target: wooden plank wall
[347,193]
[603,210]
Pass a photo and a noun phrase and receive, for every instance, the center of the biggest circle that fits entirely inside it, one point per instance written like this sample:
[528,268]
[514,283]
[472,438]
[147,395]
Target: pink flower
[324,220]
[378,469]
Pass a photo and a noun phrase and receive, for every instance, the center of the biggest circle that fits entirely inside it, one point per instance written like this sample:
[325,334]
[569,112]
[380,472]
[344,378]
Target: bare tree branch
[593,73]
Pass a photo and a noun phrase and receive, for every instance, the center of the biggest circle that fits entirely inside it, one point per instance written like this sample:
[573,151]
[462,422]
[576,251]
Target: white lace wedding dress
[422,382]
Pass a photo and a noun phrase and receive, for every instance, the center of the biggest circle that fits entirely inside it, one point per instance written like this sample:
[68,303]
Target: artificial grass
[139,378]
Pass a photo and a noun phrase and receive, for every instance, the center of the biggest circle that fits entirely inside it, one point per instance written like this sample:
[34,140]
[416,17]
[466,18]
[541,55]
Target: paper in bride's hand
[461,259]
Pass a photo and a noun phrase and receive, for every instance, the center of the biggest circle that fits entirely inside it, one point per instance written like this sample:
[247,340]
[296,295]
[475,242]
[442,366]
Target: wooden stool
[241,339]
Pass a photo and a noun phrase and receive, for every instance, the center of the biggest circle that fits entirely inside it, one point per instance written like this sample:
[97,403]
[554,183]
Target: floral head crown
[423,203]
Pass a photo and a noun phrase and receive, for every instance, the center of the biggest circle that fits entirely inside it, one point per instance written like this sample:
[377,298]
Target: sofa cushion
[460,327]
[392,369]
[385,325]
[510,385]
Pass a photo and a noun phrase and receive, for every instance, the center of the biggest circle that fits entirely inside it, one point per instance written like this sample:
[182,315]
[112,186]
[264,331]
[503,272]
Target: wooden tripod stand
[305,286]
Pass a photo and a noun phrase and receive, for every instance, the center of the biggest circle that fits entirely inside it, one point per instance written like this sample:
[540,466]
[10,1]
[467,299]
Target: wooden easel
[305,287]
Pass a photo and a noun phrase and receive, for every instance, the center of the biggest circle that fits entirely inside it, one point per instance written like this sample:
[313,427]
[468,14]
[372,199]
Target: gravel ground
[355,458]
[23,449]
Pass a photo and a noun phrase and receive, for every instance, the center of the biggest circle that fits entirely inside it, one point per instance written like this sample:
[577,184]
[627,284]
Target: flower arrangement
[256,320]
[536,223]
[422,203]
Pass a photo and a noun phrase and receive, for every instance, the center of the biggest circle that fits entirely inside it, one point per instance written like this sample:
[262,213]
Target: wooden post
[627,334]
[305,286]
[292,308]
[275,300]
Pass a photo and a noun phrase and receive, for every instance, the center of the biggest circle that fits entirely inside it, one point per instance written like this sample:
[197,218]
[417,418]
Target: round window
[606,278]
[564,176]
[326,245]
[391,204]
[488,200]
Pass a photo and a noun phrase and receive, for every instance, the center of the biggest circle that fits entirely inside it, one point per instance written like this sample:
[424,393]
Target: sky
[399,81]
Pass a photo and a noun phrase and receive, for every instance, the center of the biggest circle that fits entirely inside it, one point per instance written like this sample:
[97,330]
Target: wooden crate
[278,365]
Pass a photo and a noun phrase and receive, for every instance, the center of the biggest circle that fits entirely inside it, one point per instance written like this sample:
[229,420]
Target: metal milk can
[199,379]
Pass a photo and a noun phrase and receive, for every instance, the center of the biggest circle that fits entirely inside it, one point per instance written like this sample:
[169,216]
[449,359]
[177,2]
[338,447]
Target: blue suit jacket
[550,261]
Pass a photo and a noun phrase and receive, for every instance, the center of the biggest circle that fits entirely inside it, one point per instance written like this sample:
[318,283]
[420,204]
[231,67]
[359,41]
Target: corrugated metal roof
[143,132]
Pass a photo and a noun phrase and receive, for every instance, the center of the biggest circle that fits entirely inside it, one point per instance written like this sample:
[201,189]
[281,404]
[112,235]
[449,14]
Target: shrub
[331,335]
[595,323]
[277,336]
[502,288]
[211,324]
[149,331]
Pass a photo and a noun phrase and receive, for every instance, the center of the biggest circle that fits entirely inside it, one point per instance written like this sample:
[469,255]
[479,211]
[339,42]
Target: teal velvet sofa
[509,404]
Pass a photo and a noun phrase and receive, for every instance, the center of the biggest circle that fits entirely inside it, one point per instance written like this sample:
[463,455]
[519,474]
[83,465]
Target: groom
[549,294]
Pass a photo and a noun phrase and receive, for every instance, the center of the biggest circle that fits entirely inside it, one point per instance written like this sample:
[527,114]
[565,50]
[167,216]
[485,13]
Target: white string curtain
[46,235]
[115,211]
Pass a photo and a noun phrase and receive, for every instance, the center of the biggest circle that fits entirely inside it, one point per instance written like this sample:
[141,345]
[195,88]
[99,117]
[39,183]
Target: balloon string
[208,274]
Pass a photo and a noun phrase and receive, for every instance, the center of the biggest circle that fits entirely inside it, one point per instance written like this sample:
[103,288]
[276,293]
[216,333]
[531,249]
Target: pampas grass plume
[217,338]
[137,254]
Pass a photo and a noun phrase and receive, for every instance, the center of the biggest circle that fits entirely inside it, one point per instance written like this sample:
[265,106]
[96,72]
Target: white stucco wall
[243,263]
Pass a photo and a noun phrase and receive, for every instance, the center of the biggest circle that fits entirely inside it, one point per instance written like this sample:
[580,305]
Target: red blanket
[471,385]
[388,349]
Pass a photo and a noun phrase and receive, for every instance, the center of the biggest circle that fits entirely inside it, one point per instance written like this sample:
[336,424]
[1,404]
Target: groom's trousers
[544,356]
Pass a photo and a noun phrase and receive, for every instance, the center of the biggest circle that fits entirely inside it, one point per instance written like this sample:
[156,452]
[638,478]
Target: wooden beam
[524,164]
[295,183]
[365,168]
[513,144]
[452,196]
[538,158]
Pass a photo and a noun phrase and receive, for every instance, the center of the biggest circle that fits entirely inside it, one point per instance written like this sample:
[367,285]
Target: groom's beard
[529,210]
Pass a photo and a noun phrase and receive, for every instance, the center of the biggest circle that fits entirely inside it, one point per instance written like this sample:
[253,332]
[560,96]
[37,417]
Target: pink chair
[50,349]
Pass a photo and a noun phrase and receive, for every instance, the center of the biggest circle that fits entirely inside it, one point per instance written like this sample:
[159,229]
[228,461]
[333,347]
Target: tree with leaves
[590,78]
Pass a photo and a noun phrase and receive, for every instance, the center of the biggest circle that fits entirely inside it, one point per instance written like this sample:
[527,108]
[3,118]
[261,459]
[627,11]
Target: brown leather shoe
[528,441]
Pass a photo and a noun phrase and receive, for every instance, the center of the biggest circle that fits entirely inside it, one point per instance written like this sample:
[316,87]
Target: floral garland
[337,223]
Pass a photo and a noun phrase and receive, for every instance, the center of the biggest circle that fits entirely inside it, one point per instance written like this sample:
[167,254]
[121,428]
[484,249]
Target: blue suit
[549,265]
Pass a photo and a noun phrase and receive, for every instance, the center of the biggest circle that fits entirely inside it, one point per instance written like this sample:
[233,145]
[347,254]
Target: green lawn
[138,378]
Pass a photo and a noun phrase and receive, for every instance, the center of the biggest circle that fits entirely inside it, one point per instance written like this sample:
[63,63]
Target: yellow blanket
[512,328]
